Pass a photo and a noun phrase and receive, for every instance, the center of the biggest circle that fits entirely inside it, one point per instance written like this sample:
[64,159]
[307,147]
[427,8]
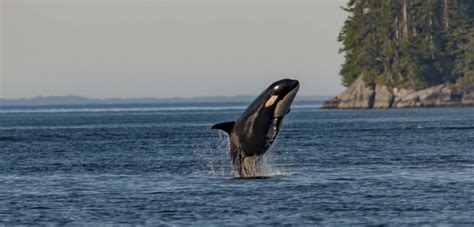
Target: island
[407,53]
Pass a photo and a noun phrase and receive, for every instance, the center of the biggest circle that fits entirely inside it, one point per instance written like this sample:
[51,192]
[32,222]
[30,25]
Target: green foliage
[408,43]
[463,67]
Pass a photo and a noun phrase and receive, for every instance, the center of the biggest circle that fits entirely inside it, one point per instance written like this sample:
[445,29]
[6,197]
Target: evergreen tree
[408,43]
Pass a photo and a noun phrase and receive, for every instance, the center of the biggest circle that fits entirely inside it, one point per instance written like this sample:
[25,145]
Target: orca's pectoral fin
[224,126]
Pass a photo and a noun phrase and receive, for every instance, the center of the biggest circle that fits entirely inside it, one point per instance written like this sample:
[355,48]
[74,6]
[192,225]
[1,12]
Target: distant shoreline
[81,101]
[360,95]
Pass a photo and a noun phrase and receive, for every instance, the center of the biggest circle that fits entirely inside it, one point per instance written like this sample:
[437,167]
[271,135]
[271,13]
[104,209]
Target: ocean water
[162,165]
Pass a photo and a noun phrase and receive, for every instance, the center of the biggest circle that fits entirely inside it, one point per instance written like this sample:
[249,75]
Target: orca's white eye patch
[271,101]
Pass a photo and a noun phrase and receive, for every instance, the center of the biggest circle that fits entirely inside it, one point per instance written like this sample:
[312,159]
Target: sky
[168,48]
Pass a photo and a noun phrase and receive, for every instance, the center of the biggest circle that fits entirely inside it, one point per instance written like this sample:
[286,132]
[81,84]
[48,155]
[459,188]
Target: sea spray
[269,163]
[213,154]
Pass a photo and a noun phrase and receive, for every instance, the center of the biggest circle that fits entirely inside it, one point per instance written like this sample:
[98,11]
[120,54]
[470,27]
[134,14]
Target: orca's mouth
[283,106]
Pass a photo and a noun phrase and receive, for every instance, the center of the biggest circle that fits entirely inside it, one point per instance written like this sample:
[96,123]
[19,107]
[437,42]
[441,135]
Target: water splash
[265,166]
[268,165]
[213,154]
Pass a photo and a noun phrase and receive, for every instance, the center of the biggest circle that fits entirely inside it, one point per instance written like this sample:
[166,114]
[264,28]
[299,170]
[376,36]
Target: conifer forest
[411,44]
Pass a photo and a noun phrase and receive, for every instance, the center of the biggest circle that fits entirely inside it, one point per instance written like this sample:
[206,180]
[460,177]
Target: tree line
[409,43]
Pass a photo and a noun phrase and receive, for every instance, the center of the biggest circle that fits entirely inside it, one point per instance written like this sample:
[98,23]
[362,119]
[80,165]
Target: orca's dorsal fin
[225,126]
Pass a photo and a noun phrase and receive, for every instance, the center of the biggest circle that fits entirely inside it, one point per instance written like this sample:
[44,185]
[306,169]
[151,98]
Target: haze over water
[163,48]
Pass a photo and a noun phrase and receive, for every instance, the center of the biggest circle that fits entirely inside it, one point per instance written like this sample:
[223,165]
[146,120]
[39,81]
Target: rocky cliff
[362,96]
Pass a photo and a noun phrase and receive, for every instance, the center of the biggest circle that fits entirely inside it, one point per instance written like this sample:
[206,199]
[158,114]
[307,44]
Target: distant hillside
[78,100]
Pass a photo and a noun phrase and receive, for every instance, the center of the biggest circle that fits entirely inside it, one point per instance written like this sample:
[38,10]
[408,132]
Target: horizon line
[157,98]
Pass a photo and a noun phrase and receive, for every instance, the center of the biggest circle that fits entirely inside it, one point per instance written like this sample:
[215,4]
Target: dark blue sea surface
[163,165]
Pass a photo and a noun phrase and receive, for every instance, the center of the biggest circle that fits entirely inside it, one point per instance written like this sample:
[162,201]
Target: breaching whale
[254,131]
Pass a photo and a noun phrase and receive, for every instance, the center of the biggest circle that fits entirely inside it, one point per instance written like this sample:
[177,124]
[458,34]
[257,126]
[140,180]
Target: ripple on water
[166,167]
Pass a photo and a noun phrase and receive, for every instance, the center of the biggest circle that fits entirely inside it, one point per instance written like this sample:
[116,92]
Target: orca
[254,131]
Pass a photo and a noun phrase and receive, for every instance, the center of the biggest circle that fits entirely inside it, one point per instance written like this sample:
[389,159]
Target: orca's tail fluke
[225,126]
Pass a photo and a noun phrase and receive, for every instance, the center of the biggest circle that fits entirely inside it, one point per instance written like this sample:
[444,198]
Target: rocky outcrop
[441,95]
[383,97]
[401,94]
[468,97]
[361,96]
[356,96]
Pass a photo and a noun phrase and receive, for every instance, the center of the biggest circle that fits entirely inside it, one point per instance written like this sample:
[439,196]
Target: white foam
[267,169]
